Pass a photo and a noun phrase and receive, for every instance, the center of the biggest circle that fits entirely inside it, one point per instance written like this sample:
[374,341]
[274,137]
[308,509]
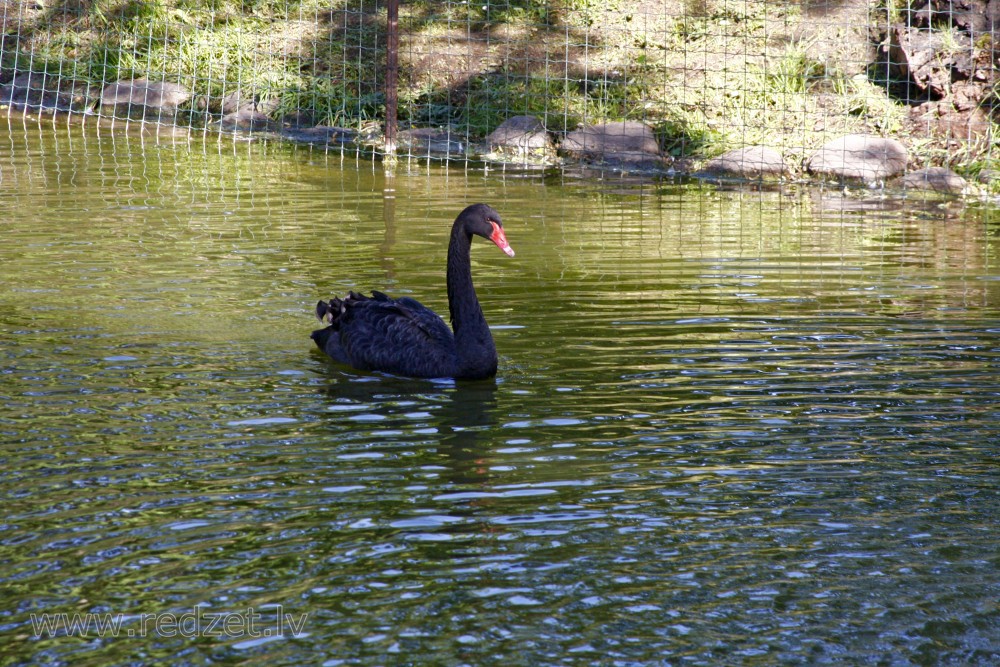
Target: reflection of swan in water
[463,414]
[470,414]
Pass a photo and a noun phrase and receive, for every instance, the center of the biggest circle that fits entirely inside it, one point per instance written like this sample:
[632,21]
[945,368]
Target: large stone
[936,179]
[321,135]
[144,97]
[25,88]
[859,157]
[989,176]
[43,92]
[628,144]
[236,101]
[247,120]
[521,134]
[432,142]
[750,162]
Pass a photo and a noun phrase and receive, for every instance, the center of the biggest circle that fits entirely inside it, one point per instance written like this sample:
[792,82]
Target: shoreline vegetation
[850,91]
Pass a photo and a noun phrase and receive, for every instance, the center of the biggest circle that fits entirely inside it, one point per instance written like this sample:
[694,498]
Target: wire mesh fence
[743,87]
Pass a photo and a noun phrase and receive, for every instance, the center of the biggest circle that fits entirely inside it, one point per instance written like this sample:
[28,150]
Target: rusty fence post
[391,80]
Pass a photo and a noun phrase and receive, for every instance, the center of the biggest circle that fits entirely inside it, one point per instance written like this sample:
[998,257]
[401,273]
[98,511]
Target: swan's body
[404,337]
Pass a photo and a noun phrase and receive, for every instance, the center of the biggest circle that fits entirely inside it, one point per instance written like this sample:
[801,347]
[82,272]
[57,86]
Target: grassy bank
[708,75]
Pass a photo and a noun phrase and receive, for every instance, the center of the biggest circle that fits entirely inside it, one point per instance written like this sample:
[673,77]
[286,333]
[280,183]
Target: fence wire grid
[684,80]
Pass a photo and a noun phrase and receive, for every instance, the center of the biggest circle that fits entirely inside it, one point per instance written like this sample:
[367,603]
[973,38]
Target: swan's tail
[331,312]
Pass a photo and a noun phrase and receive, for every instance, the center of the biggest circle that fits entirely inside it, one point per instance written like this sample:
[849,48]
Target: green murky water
[728,427]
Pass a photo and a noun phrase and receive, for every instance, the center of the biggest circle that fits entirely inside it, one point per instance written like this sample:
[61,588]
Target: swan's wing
[395,335]
[428,321]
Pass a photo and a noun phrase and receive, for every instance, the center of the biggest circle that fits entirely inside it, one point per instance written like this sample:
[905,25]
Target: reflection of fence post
[391,79]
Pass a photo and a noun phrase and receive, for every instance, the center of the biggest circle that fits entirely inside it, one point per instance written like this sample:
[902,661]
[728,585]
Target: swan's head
[482,220]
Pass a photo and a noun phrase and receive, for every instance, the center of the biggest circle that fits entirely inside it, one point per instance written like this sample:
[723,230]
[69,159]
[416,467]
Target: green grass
[568,61]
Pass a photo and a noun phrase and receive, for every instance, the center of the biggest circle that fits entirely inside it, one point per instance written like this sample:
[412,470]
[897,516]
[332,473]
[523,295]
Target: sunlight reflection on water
[736,426]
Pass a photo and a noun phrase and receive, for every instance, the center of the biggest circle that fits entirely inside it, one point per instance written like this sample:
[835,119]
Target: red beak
[500,239]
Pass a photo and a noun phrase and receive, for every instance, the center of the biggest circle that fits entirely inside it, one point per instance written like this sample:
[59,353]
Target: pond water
[729,427]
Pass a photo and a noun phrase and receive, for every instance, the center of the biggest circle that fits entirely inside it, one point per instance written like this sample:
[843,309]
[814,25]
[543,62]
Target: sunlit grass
[724,76]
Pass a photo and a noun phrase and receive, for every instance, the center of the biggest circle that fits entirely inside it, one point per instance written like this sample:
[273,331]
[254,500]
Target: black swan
[404,337]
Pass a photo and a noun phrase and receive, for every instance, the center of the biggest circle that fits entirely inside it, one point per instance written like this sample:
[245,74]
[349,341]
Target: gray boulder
[235,101]
[522,135]
[750,163]
[143,97]
[859,157]
[989,175]
[936,179]
[39,91]
[431,141]
[628,144]
[321,135]
[247,120]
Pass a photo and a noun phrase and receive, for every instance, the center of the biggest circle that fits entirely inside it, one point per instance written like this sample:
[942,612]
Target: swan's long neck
[472,334]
